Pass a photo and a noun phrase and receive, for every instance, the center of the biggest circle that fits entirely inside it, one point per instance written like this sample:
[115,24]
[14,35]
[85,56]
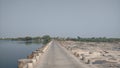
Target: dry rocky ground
[102,54]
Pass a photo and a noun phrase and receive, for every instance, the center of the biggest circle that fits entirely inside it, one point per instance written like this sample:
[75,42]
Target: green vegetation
[46,38]
[28,38]
[93,39]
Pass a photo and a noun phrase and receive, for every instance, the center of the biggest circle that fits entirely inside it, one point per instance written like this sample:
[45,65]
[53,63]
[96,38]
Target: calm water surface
[11,51]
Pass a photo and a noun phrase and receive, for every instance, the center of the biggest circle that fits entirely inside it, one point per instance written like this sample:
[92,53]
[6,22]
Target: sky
[63,18]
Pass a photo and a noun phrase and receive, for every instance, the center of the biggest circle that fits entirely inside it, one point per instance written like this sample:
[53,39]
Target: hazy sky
[84,18]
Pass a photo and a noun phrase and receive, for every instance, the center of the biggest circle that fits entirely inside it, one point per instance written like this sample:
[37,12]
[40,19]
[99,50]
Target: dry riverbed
[101,55]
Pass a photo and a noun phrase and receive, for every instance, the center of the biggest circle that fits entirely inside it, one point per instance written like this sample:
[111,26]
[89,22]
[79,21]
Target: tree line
[95,39]
[44,39]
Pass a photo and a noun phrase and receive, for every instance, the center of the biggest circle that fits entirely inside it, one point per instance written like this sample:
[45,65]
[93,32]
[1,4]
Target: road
[58,57]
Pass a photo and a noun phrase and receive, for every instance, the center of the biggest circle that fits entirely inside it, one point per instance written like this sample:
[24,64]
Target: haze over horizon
[63,18]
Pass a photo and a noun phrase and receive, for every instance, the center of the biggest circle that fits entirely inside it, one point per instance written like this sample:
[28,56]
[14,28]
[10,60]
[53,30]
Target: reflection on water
[11,51]
[29,42]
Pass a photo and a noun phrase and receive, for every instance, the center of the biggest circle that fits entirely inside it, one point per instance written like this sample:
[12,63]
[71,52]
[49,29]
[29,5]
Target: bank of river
[11,51]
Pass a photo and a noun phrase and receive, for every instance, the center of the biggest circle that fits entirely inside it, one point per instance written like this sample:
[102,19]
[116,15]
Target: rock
[30,56]
[86,60]
[23,62]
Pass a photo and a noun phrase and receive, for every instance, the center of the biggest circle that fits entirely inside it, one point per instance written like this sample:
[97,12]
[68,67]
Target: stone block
[86,60]
[29,65]
[34,61]
[37,58]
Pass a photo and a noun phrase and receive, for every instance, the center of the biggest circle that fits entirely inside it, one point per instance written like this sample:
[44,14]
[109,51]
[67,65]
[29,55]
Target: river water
[11,51]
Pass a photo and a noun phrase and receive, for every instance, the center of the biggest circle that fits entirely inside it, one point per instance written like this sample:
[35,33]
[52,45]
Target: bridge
[52,55]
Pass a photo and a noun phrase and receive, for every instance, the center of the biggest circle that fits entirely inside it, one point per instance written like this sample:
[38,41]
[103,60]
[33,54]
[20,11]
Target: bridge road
[57,57]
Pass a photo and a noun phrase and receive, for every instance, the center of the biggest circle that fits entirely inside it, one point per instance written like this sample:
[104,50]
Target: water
[99,62]
[11,51]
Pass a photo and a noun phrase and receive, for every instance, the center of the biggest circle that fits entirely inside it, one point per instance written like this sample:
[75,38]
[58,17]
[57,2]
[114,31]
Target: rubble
[102,54]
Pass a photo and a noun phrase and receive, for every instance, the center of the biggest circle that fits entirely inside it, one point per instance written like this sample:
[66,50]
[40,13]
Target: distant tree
[28,38]
[78,38]
[46,39]
[37,38]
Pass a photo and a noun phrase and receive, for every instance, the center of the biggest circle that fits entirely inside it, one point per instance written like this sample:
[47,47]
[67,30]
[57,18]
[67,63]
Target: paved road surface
[58,57]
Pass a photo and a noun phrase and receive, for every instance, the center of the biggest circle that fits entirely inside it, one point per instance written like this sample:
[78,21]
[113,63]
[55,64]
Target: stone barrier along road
[33,59]
[57,57]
